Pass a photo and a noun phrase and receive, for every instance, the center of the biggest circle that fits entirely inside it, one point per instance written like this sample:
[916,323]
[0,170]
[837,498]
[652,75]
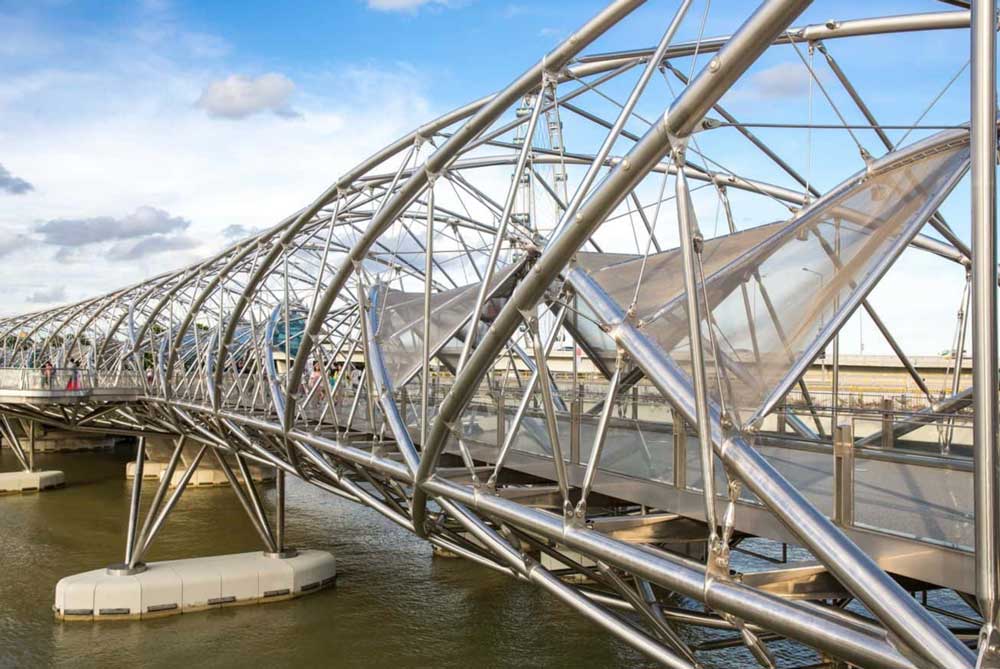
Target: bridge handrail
[64,379]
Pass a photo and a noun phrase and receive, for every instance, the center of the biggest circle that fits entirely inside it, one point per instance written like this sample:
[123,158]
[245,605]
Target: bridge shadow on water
[394,605]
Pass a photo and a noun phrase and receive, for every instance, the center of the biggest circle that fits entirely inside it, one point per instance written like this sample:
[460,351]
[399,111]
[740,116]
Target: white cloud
[404,5]
[147,231]
[143,222]
[151,245]
[513,10]
[15,244]
[238,96]
[51,295]
[113,137]
[236,232]
[12,184]
[114,131]
[778,82]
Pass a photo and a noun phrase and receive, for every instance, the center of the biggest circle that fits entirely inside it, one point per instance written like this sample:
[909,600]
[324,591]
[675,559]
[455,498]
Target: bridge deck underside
[911,514]
[910,510]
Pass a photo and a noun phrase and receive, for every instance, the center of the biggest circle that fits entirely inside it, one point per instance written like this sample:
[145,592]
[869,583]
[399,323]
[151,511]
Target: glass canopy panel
[771,290]
[400,333]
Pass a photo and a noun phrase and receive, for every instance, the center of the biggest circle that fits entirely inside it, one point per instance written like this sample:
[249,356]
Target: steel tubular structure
[398,342]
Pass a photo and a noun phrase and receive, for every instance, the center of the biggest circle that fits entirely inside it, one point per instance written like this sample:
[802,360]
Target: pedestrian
[74,375]
[47,374]
[316,379]
[335,374]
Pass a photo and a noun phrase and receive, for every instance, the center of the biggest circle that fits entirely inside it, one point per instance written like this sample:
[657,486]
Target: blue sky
[179,124]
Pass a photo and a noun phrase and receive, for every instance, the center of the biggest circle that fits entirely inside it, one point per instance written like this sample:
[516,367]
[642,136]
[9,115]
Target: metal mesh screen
[401,322]
[771,290]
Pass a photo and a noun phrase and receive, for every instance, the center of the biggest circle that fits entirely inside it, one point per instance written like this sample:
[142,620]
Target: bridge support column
[986,404]
[501,420]
[133,511]
[279,511]
[138,590]
[19,436]
[887,410]
[31,445]
[680,449]
[843,475]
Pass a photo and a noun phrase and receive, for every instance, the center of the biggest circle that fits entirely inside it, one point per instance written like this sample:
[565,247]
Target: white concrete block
[50,479]
[239,578]
[212,476]
[312,571]
[161,590]
[551,563]
[201,583]
[77,596]
[61,440]
[18,482]
[181,586]
[117,596]
[150,470]
[275,578]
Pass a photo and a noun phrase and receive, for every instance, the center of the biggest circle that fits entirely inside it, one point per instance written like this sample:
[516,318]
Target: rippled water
[394,605]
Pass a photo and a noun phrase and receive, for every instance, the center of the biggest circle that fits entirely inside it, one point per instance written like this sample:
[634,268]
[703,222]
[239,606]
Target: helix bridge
[563,331]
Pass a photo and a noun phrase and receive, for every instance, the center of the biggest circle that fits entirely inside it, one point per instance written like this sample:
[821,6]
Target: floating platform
[22,482]
[203,476]
[65,441]
[151,471]
[196,584]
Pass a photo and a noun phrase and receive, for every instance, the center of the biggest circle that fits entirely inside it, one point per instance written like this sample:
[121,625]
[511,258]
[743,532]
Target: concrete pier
[205,475]
[26,482]
[196,584]
[158,452]
[213,476]
[61,441]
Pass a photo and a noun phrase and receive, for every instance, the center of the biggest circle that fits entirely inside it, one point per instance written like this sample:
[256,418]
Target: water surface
[394,605]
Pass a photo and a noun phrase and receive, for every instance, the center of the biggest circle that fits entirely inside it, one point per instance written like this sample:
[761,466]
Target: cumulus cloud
[146,231]
[143,222]
[404,5]
[114,128]
[48,295]
[12,184]
[133,250]
[784,80]
[15,245]
[239,231]
[238,96]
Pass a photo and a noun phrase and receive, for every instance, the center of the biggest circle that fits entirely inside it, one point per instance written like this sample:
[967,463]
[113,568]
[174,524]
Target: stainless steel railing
[63,379]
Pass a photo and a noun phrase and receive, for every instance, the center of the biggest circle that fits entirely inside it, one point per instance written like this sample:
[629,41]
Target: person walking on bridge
[47,374]
[74,375]
[316,380]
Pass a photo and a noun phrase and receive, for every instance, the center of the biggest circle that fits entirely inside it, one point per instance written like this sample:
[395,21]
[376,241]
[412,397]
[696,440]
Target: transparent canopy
[400,333]
[772,292]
